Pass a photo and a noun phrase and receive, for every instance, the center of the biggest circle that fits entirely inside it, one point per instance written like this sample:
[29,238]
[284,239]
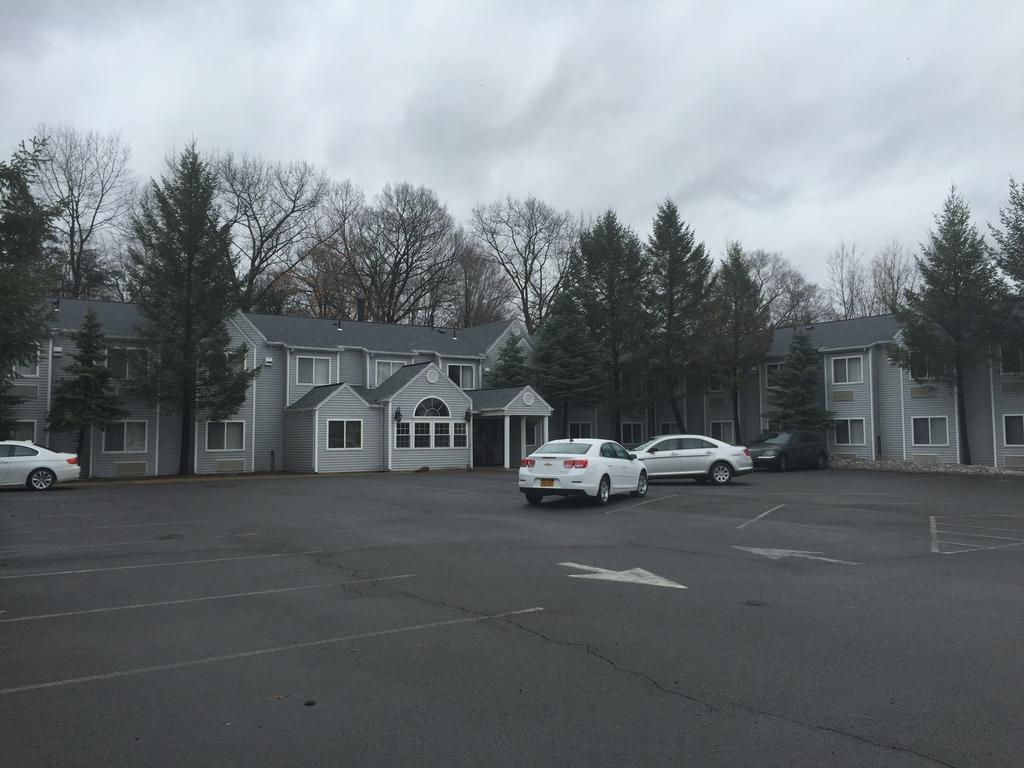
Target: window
[696,444]
[1013,430]
[771,375]
[919,370]
[531,432]
[631,432]
[847,370]
[715,382]
[442,434]
[672,444]
[722,430]
[930,430]
[849,431]
[431,407]
[421,433]
[461,375]
[127,362]
[386,369]
[125,437]
[460,434]
[1011,358]
[313,370]
[666,428]
[29,370]
[344,435]
[22,450]
[579,429]
[402,435]
[225,435]
[24,430]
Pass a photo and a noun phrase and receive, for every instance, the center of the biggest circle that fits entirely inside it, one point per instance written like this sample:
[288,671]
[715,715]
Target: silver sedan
[698,456]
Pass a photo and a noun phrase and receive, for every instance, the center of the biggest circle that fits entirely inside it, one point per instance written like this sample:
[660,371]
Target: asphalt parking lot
[828,619]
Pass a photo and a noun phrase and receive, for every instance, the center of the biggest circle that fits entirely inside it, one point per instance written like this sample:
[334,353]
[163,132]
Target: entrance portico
[508,424]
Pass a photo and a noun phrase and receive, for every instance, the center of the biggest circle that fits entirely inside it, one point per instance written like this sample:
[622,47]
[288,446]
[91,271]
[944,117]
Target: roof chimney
[361,309]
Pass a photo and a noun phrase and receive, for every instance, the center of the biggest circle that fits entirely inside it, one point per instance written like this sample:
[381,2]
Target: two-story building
[329,396]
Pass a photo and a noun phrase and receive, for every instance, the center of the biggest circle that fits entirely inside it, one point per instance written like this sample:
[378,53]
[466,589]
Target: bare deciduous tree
[847,282]
[531,242]
[87,177]
[484,292]
[789,296]
[893,272]
[400,253]
[275,210]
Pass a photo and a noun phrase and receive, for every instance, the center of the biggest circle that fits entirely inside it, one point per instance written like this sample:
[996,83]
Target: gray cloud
[786,125]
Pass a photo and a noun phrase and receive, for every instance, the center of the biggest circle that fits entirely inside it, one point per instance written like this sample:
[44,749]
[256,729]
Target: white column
[545,429]
[508,428]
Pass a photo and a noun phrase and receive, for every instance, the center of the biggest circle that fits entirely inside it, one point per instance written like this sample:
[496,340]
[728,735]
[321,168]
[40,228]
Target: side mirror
[652,450]
[632,456]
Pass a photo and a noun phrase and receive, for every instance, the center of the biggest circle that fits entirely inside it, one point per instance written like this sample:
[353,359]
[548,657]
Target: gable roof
[379,337]
[838,334]
[117,318]
[315,396]
[489,399]
[397,381]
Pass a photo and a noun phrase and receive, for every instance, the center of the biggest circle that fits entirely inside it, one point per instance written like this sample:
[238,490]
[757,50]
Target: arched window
[432,407]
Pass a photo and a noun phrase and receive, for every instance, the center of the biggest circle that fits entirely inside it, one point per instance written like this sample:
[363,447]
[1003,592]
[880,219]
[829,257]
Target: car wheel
[604,491]
[821,462]
[641,485]
[533,498]
[720,474]
[782,463]
[41,479]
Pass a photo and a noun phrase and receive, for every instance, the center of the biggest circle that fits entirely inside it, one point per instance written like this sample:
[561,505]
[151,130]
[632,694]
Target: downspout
[992,402]
[316,440]
[252,437]
[871,398]
[956,414]
[49,387]
[903,414]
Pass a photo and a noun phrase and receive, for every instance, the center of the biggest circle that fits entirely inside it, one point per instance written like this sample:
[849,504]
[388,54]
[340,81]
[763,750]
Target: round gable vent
[432,376]
[528,398]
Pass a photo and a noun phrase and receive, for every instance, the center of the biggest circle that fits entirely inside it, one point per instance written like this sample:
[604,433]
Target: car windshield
[780,439]
[576,449]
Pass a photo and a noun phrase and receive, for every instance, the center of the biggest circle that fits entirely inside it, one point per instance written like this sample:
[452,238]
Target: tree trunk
[80,448]
[185,466]
[736,432]
[565,418]
[961,419]
[678,414]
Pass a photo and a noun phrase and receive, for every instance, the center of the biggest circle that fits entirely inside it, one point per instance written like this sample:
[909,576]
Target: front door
[488,442]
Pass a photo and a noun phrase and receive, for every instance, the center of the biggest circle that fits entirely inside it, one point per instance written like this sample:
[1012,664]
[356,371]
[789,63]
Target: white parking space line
[763,514]
[950,537]
[43,549]
[101,514]
[207,598]
[101,527]
[640,504]
[264,651]
[157,565]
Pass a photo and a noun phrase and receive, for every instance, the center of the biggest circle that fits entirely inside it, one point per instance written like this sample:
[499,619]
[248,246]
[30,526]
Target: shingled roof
[315,396]
[490,399]
[117,318]
[315,332]
[838,334]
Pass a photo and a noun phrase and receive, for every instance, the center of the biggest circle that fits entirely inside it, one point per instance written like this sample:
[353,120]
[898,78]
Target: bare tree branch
[893,272]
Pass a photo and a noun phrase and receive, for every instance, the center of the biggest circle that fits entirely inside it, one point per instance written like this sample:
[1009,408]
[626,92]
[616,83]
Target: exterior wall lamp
[398,415]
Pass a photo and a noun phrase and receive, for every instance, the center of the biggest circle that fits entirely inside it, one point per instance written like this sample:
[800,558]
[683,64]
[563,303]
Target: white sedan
[697,456]
[581,467]
[31,465]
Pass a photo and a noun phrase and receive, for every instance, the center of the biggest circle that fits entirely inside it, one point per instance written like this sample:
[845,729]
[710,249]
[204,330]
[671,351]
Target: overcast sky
[788,126]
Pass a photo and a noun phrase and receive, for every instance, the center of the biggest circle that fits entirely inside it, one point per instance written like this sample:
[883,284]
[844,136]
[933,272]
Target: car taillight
[575,463]
[527,462]
[746,451]
[73,460]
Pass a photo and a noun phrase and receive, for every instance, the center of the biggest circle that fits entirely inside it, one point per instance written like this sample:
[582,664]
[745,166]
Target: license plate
[547,483]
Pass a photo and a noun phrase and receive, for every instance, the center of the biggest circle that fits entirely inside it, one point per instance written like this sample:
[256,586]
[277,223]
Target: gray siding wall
[210,461]
[346,405]
[934,399]
[1009,401]
[858,407]
[270,392]
[977,394]
[36,390]
[404,359]
[889,381]
[352,367]
[435,458]
[492,353]
[296,390]
[298,441]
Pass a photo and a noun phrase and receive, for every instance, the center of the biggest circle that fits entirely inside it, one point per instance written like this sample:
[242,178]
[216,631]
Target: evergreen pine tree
[738,332]
[795,399]
[610,275]
[87,399]
[25,274]
[1010,239]
[182,278]
[511,370]
[680,271]
[959,309]
[569,367]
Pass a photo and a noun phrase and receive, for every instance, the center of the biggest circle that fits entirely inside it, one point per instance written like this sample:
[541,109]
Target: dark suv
[794,448]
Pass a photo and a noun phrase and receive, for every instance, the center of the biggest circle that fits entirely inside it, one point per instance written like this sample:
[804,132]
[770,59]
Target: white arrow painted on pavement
[778,554]
[631,576]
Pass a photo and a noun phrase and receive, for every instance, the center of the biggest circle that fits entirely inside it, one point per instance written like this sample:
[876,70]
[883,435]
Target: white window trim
[311,383]
[376,363]
[432,421]
[409,435]
[346,422]
[849,381]
[732,429]
[588,423]
[864,430]
[431,418]
[465,434]
[929,444]
[224,450]
[640,428]
[1011,416]
[126,349]
[778,368]
[472,374]
[1010,373]
[15,375]
[145,442]
[722,388]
